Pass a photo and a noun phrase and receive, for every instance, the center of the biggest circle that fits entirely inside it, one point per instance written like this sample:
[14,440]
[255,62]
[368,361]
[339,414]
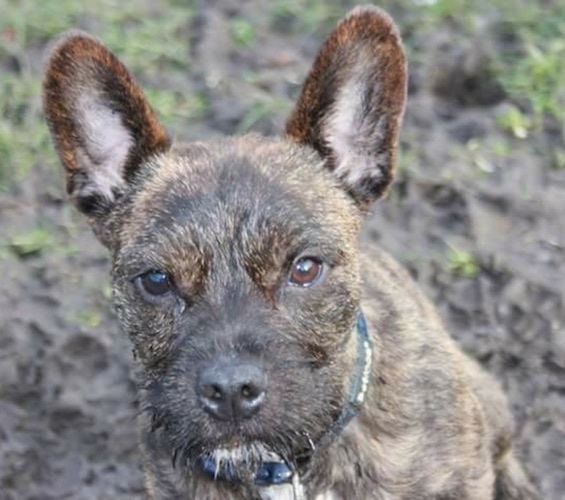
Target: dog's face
[235,266]
[239,290]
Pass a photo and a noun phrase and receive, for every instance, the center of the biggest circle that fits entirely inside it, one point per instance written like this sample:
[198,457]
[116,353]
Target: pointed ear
[351,107]
[102,126]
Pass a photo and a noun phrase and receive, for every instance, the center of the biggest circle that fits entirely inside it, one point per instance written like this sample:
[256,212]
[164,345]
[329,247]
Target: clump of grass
[534,71]
[88,318]
[463,263]
[306,16]
[31,242]
[172,105]
[27,22]
[502,148]
[515,122]
[149,42]
[23,135]
[242,32]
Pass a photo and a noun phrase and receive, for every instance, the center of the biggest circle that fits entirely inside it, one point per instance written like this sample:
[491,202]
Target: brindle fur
[225,219]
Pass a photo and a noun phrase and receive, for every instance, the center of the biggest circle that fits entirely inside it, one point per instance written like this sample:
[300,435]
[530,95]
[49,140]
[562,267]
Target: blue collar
[273,473]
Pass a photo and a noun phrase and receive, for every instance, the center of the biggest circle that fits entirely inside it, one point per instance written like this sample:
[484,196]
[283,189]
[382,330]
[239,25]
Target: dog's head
[235,266]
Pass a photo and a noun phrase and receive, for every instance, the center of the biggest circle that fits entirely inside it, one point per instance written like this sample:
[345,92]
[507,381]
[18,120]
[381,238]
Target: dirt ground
[477,214]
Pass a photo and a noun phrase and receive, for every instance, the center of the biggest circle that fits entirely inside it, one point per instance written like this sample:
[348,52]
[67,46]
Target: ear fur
[102,125]
[352,103]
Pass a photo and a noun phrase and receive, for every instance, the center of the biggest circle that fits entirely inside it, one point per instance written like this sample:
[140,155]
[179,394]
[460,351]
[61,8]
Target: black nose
[232,391]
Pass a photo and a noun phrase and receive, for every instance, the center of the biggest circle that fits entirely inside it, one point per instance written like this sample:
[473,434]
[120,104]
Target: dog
[277,359]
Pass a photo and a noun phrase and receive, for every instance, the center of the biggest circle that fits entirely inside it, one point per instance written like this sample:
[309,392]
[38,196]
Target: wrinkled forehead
[228,187]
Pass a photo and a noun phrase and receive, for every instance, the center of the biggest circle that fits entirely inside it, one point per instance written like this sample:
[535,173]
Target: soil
[67,394]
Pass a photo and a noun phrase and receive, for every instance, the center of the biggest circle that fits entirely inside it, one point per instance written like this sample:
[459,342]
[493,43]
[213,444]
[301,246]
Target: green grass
[515,121]
[172,105]
[262,108]
[149,42]
[153,39]
[535,70]
[532,67]
[150,37]
[31,242]
[88,318]
[26,22]
[463,263]
[242,32]
[23,136]
[307,16]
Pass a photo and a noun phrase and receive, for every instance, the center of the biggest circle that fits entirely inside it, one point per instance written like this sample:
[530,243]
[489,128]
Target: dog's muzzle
[273,470]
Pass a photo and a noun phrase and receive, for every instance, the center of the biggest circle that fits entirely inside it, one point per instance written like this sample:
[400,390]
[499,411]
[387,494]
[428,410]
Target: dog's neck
[279,479]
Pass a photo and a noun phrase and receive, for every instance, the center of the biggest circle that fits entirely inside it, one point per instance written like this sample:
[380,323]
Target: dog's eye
[154,283]
[305,271]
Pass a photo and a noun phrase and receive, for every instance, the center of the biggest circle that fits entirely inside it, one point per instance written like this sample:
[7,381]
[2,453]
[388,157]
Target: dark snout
[232,390]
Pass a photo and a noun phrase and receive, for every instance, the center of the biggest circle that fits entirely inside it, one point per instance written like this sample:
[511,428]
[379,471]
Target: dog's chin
[236,463]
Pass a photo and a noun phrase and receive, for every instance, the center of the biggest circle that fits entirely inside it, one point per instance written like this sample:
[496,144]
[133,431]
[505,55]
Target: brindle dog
[277,359]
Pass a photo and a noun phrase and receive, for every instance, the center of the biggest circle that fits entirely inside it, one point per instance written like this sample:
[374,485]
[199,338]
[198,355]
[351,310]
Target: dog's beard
[239,452]
[240,463]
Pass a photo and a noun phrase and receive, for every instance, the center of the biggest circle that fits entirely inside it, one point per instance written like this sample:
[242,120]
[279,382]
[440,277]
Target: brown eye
[305,271]
[154,283]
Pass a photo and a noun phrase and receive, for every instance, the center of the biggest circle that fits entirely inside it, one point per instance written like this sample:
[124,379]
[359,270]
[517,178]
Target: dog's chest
[279,492]
[292,492]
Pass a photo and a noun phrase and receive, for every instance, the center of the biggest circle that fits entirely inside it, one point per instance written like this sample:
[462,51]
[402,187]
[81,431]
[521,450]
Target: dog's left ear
[352,103]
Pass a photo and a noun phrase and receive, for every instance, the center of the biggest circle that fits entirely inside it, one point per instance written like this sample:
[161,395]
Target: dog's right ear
[102,125]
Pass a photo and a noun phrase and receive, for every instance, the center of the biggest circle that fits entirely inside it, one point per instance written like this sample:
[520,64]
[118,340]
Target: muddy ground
[477,214]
